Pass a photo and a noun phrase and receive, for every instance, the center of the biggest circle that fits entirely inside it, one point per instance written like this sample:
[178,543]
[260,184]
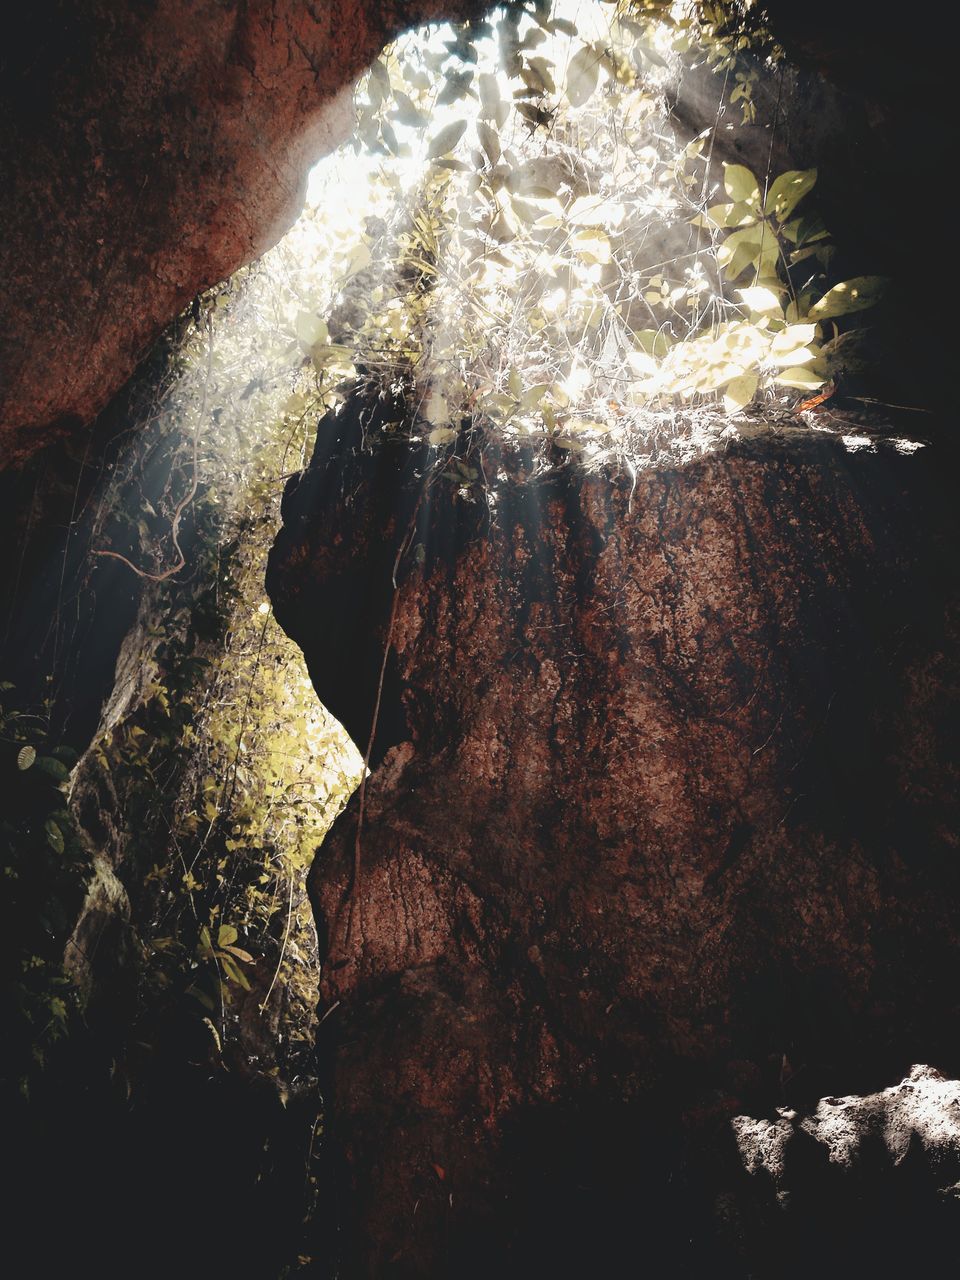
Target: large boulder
[662,823]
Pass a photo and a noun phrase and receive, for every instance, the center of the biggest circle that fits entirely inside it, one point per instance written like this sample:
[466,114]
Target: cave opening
[617,544]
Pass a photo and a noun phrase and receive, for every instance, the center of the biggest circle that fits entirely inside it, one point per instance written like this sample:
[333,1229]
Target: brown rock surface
[148,152]
[664,826]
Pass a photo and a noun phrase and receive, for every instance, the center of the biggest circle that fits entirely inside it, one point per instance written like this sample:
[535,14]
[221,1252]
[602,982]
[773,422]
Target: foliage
[43,865]
[553,260]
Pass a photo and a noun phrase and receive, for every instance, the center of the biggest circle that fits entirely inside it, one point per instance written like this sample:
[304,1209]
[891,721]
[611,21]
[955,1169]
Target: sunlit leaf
[739,392]
[310,329]
[533,395]
[797,376]
[740,184]
[791,345]
[787,190]
[848,296]
[761,301]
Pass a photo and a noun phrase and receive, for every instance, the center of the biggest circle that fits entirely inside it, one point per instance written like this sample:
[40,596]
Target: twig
[188,497]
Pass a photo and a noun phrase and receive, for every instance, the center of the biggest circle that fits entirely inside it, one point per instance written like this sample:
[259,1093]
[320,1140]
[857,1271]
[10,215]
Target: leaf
[226,934]
[786,192]
[54,836]
[536,115]
[533,395]
[446,139]
[791,346]
[740,184]
[736,214]
[26,757]
[582,76]
[802,379]
[233,973]
[528,213]
[739,392]
[360,258]
[389,137]
[850,295]
[310,329]
[406,113]
[750,246]
[761,301]
[458,83]
[380,73]
[591,244]
[441,435]
[490,141]
[55,768]
[240,954]
[489,94]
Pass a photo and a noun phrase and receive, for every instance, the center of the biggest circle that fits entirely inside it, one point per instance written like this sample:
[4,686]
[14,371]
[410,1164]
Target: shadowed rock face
[149,151]
[663,827]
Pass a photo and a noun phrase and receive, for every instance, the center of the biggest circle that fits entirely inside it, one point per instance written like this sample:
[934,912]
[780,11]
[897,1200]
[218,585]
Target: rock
[857,1182]
[150,151]
[666,808]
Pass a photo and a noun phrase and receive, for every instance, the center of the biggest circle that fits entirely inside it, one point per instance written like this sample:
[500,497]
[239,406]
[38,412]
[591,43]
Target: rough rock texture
[148,152]
[664,827]
[875,1163]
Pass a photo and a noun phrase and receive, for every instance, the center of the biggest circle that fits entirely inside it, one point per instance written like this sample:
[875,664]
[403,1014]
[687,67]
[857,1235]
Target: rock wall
[149,151]
[663,827]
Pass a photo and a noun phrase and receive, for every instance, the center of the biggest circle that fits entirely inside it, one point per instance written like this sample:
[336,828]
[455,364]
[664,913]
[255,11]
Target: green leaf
[740,184]
[533,395]
[226,934]
[446,139]
[55,768]
[26,757]
[739,392]
[849,295]
[751,246]
[791,345]
[54,836]
[802,379]
[786,192]
[582,76]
